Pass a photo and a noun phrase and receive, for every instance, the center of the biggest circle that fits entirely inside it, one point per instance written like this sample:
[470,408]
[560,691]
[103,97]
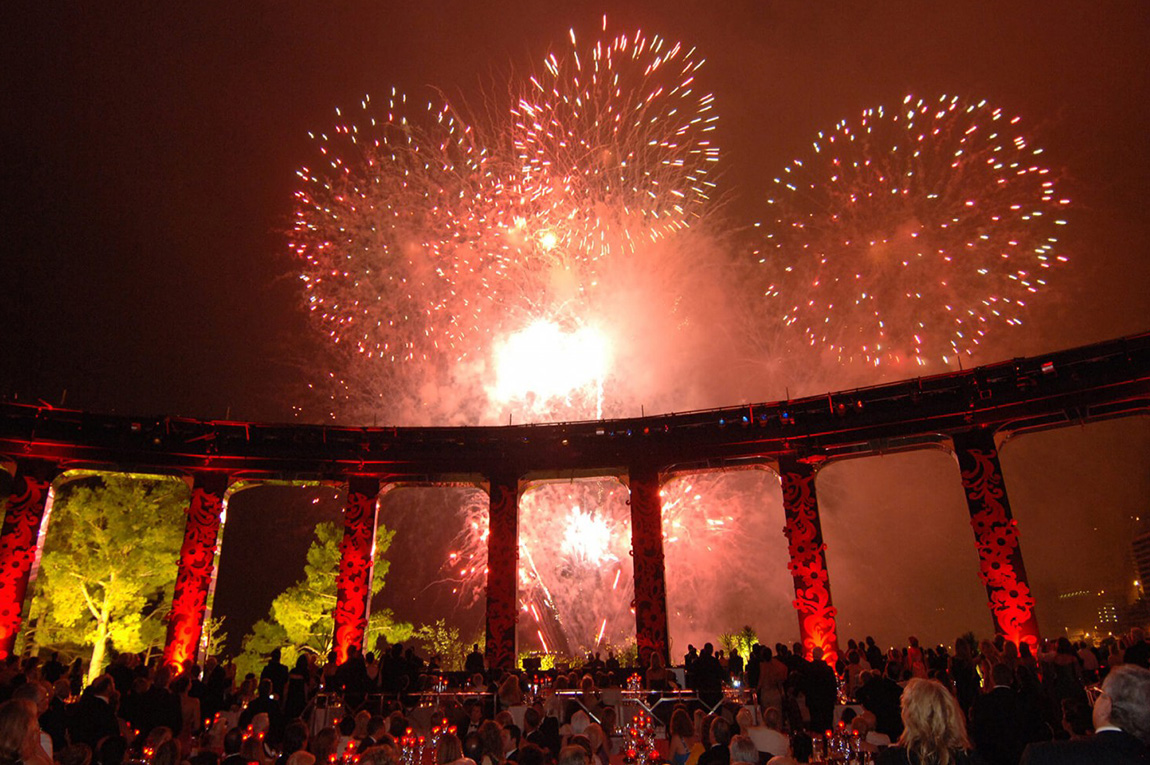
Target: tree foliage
[109,564]
[438,639]
[300,618]
[742,641]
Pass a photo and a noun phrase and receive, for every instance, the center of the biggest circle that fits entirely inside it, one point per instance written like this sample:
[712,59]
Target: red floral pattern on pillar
[353,587]
[502,571]
[808,564]
[649,566]
[18,537]
[996,536]
[197,560]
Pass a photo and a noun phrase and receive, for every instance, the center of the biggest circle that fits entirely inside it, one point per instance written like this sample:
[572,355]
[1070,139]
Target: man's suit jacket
[1110,747]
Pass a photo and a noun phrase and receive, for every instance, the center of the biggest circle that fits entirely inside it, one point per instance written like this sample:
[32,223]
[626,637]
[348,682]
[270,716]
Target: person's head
[491,739]
[1076,717]
[362,718]
[932,720]
[376,724]
[744,720]
[375,755]
[449,749]
[720,732]
[167,753]
[396,725]
[102,686]
[532,754]
[323,744]
[19,730]
[743,750]
[584,743]
[681,724]
[1001,674]
[232,740]
[598,738]
[773,718]
[112,750]
[252,749]
[295,737]
[304,757]
[573,754]
[260,723]
[579,722]
[156,736]
[34,691]
[511,735]
[531,718]
[1125,701]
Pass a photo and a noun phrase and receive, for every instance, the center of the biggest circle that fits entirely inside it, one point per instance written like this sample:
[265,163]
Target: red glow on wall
[197,559]
[808,563]
[996,536]
[502,572]
[647,552]
[18,535]
[353,587]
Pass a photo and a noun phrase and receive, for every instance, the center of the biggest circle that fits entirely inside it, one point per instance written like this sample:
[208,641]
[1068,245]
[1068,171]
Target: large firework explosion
[908,233]
[562,263]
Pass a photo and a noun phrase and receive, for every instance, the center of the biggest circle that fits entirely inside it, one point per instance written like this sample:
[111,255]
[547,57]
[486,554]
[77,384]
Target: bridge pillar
[808,564]
[196,568]
[649,565]
[996,536]
[502,571]
[356,564]
[19,542]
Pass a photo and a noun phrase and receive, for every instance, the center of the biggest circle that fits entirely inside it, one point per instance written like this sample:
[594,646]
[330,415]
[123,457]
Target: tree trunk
[96,665]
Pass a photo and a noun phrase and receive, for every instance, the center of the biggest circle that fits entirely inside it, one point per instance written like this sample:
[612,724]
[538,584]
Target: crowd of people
[993,703]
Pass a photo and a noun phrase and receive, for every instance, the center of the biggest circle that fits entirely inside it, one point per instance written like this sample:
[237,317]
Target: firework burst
[612,142]
[382,233]
[909,233]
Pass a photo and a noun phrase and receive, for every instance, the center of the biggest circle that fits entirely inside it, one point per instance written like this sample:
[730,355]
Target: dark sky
[149,152]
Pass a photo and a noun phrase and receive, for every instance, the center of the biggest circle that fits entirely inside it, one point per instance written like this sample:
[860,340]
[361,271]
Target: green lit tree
[300,619]
[438,639]
[109,564]
[742,641]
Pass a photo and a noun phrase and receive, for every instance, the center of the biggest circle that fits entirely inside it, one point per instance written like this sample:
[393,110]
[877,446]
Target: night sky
[149,158]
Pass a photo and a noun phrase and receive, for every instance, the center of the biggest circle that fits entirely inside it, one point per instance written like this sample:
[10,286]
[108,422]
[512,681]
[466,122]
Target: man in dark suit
[92,717]
[1121,726]
[995,722]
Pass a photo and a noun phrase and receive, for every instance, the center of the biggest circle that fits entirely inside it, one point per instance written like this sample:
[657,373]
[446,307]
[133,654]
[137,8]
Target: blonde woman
[933,729]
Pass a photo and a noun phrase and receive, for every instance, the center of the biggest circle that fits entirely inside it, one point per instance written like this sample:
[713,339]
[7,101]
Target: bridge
[969,413]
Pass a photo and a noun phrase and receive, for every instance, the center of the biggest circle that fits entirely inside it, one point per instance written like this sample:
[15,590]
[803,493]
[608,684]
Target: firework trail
[909,233]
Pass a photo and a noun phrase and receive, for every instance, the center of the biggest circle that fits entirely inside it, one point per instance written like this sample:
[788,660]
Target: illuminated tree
[300,618]
[109,564]
[443,641]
